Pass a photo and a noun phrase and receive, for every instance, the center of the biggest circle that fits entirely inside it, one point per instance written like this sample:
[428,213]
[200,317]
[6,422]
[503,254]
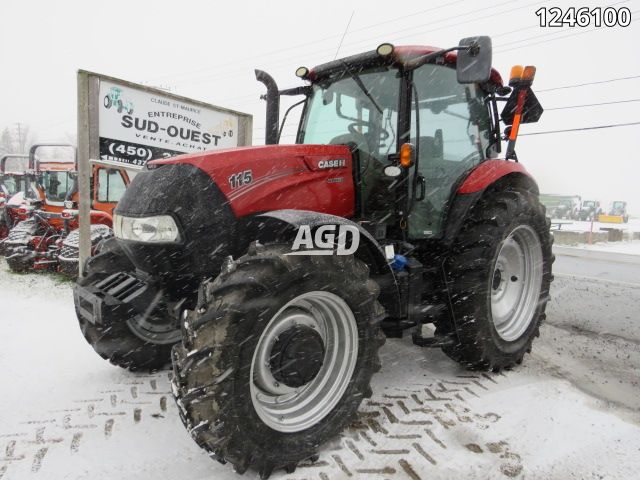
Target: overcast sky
[207,50]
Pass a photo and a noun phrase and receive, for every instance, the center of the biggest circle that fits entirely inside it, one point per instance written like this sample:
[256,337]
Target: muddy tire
[16,247]
[69,254]
[18,264]
[117,342]
[224,370]
[499,276]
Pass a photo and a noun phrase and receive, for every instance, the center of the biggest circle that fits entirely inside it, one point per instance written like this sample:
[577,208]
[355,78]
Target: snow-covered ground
[577,226]
[629,248]
[572,410]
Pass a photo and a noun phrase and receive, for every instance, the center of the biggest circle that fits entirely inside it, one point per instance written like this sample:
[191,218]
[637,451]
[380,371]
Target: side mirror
[474,62]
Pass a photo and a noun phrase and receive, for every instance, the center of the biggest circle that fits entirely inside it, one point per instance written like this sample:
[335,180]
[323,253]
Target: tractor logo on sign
[326,240]
[114,99]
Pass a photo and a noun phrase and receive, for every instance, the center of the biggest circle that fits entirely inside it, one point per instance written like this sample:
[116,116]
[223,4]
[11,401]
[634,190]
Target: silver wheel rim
[154,331]
[516,282]
[288,409]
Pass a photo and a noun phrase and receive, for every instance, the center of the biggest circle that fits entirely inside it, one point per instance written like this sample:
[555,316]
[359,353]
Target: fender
[489,172]
[282,225]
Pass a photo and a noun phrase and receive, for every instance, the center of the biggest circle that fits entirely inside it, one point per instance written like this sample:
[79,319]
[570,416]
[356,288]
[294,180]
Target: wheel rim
[154,330]
[516,282]
[289,409]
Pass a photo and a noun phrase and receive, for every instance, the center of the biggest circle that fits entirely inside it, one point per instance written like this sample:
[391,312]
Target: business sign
[126,124]
[136,126]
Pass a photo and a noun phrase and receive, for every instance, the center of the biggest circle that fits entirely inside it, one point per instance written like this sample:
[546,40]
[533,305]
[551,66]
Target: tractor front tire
[117,342]
[499,274]
[278,357]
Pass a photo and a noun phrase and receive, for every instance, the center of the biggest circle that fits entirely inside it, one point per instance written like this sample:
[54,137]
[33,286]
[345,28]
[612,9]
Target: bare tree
[6,141]
[16,139]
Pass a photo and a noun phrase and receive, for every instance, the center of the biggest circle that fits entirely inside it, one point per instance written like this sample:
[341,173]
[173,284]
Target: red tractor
[277,270]
[12,182]
[46,238]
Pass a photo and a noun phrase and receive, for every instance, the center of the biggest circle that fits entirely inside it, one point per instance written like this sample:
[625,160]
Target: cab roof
[401,56]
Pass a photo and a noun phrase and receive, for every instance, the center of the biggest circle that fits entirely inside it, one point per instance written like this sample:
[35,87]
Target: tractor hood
[275,177]
[210,195]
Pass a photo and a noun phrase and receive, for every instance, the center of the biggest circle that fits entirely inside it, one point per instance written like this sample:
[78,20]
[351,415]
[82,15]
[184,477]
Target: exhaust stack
[273,106]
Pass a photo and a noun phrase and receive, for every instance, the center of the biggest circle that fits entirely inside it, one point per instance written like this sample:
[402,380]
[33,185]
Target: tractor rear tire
[499,274]
[228,352]
[117,343]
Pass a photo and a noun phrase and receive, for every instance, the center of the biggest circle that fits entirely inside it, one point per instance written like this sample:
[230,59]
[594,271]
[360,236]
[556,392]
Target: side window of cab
[111,185]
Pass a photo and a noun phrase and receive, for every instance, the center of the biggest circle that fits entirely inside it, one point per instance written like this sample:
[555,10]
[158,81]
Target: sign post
[126,125]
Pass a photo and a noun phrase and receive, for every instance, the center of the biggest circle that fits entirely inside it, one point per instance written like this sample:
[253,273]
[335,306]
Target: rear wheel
[278,357]
[499,276]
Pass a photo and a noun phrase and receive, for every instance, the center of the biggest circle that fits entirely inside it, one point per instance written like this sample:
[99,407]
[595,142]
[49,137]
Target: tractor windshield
[359,110]
[57,185]
[11,184]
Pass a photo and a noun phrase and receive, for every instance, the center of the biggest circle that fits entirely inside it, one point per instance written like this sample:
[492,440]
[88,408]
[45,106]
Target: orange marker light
[406,155]
[516,74]
[529,73]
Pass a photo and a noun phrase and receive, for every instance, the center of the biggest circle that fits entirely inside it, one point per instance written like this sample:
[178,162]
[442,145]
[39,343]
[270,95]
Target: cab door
[109,186]
[454,132]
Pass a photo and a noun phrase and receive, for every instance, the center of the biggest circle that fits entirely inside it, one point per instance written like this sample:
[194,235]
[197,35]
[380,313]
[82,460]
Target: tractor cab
[417,120]
[12,177]
[12,182]
[57,189]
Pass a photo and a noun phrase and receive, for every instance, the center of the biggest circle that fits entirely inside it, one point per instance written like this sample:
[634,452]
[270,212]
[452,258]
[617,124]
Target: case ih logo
[339,163]
[326,240]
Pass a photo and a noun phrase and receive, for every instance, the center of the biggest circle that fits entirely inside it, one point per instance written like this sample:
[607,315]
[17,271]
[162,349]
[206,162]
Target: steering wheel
[353,129]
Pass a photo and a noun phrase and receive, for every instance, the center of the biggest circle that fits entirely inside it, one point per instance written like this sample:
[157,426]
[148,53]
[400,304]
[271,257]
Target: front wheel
[133,338]
[499,275]
[278,357]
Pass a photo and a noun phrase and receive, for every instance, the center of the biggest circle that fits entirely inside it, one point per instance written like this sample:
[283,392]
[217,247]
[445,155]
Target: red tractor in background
[46,238]
[12,182]
[277,270]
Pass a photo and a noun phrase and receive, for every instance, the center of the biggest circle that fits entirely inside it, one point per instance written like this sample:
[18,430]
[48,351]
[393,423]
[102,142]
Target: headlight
[158,229]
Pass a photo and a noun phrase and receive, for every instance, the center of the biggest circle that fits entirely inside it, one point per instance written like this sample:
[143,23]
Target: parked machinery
[12,182]
[590,210]
[46,238]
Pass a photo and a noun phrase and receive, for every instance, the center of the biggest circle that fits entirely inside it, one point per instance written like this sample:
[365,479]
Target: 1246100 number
[584,17]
